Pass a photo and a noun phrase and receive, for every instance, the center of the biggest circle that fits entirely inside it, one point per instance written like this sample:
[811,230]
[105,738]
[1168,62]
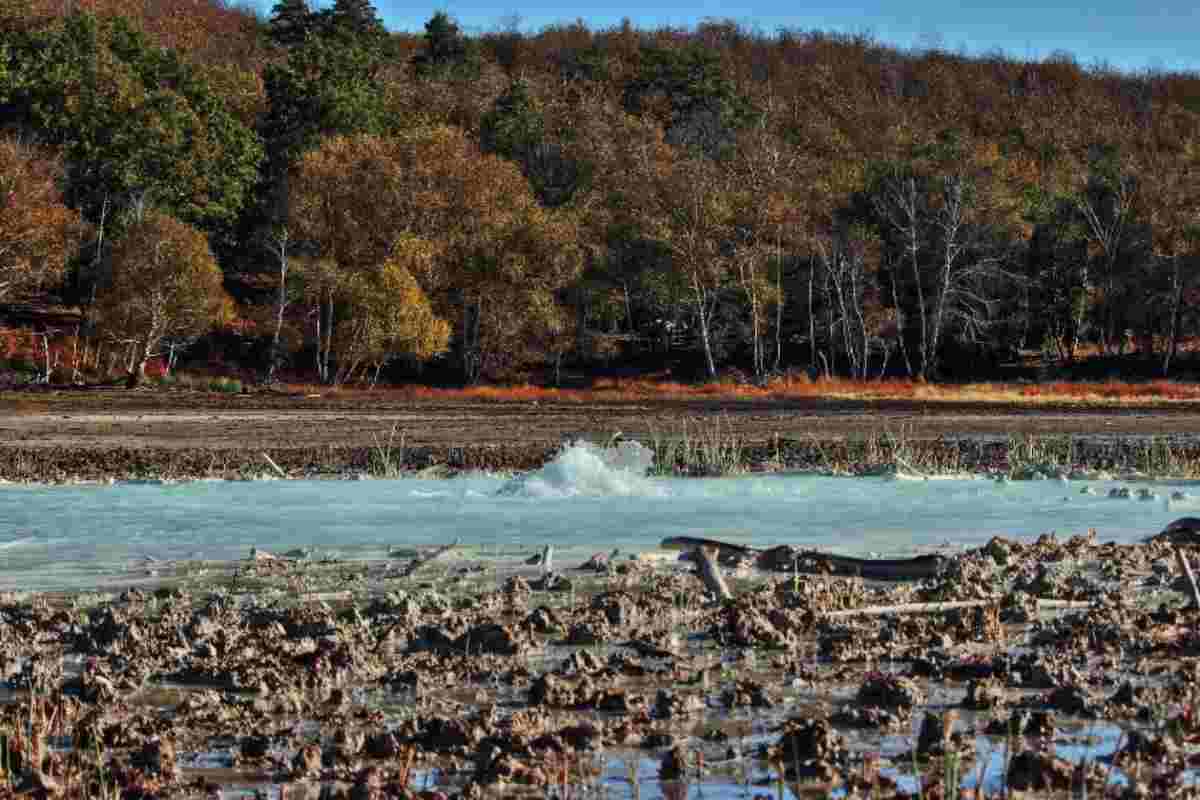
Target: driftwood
[886,569]
[711,574]
[433,555]
[1191,576]
[934,608]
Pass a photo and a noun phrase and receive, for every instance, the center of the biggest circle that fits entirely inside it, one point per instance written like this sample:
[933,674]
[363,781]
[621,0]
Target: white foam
[582,468]
[22,542]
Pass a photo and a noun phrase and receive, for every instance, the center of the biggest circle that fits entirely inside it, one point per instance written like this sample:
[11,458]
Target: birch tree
[165,284]
[943,214]
[694,224]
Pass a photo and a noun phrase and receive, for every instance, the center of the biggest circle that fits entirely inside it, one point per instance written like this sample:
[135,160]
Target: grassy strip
[1103,393]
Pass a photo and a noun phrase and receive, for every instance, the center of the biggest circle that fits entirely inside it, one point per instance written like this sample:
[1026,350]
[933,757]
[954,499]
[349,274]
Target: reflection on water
[586,500]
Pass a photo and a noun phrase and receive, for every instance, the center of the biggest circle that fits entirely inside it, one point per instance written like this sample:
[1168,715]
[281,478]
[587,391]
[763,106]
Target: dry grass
[613,390]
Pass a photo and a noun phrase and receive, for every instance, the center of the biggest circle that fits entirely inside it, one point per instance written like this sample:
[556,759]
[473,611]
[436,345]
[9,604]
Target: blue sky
[1127,34]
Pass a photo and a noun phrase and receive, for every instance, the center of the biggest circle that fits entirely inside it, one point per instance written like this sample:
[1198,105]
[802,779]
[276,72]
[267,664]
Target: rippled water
[585,500]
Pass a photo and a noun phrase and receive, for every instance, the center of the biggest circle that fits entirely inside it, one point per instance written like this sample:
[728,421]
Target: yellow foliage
[389,316]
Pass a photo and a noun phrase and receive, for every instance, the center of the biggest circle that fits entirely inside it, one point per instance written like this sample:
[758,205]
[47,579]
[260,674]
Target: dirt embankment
[53,435]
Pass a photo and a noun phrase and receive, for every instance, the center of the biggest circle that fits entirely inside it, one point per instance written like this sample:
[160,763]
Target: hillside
[315,196]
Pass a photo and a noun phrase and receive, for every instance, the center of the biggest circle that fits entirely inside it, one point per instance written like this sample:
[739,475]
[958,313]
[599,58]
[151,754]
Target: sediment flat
[106,419]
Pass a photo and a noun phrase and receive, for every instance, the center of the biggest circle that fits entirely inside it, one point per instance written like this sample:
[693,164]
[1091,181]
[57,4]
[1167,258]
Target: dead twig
[1191,576]
[278,470]
[934,608]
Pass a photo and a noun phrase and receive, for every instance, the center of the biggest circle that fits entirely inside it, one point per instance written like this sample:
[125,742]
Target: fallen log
[885,569]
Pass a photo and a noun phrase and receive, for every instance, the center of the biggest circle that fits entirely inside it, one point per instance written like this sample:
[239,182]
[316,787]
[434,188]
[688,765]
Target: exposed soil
[90,433]
[433,679]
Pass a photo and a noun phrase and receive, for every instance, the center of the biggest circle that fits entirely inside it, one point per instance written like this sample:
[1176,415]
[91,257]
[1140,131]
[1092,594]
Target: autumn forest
[309,194]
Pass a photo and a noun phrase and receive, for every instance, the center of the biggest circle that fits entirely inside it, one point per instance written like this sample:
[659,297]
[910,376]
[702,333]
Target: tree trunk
[1176,312]
[778,307]
[280,307]
[812,321]
[137,370]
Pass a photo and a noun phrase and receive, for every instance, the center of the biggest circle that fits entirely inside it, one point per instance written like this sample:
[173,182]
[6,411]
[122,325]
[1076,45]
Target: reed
[387,457]
[707,447]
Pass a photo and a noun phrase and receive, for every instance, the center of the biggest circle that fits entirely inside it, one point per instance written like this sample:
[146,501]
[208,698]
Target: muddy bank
[1031,456]
[448,677]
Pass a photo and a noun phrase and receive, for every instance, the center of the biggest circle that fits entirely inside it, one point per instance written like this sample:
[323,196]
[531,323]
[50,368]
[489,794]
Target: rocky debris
[889,691]
[804,740]
[985,694]
[307,763]
[669,704]
[1074,700]
[937,736]
[1023,722]
[746,694]
[1039,772]
[673,766]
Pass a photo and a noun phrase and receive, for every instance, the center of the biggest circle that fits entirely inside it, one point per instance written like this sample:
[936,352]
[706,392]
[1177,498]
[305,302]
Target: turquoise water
[587,500]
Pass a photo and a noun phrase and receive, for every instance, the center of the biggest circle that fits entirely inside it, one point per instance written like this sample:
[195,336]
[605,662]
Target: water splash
[583,468]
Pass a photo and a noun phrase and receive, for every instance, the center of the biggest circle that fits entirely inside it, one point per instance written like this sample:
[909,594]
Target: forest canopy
[357,204]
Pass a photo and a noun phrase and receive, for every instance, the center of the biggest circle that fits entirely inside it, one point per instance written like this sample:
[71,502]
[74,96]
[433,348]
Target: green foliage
[448,55]
[327,87]
[133,121]
[515,126]
[291,23]
[687,90]
[354,19]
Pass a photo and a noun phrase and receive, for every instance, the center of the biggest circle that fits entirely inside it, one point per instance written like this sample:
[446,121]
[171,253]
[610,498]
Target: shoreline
[1095,457]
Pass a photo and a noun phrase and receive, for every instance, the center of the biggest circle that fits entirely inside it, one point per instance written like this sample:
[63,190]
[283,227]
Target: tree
[447,53]
[291,22]
[485,246]
[1107,201]
[387,315]
[165,284]
[690,95]
[35,225]
[942,215]
[514,127]
[694,224]
[133,121]
[356,19]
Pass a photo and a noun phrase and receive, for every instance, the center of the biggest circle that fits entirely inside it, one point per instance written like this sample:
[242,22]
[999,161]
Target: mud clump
[506,685]
[893,692]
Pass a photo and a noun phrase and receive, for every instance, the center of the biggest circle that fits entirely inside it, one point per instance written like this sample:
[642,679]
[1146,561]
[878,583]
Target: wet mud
[1047,667]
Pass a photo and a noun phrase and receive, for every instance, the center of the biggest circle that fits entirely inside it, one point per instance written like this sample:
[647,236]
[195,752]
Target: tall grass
[708,447]
[388,455]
